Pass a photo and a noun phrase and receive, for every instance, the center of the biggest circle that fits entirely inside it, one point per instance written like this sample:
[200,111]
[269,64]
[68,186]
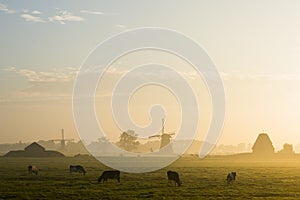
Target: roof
[34,146]
[263,144]
[34,150]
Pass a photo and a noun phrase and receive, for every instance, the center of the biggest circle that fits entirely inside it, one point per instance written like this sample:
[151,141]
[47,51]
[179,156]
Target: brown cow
[114,174]
[77,168]
[173,176]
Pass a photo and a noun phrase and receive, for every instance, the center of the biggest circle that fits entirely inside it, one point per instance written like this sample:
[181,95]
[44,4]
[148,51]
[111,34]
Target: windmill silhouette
[62,140]
[165,138]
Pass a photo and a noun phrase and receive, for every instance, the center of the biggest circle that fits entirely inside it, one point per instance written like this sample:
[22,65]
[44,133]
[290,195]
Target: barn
[34,150]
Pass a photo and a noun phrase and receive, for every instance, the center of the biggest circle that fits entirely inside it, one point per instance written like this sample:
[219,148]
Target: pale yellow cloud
[65,16]
[31,18]
[5,9]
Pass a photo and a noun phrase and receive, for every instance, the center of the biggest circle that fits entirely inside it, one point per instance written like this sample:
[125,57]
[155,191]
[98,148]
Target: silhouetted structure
[165,138]
[34,150]
[62,140]
[263,145]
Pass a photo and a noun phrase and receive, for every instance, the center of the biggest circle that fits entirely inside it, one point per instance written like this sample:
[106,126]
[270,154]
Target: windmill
[165,138]
[62,140]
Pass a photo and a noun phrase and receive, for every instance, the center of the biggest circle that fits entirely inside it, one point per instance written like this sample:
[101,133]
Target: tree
[128,141]
[287,149]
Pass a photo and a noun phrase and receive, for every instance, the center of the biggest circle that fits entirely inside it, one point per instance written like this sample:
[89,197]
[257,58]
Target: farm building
[263,145]
[34,150]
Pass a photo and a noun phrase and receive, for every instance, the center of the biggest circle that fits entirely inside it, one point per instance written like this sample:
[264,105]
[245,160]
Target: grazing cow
[115,174]
[231,177]
[33,170]
[173,176]
[77,168]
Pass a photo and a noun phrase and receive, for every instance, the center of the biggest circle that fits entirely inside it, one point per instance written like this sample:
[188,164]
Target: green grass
[202,179]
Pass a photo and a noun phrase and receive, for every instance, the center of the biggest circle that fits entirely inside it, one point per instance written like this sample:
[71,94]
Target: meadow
[201,179]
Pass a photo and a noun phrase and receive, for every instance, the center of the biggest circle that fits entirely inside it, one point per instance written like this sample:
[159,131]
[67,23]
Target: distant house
[34,150]
[263,145]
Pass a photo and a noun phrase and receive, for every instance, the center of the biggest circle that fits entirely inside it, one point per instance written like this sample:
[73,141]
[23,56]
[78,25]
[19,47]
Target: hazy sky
[254,44]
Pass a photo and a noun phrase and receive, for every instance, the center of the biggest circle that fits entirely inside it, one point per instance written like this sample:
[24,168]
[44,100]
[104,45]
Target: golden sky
[254,44]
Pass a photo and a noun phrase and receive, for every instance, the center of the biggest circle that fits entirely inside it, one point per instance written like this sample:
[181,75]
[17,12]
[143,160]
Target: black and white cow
[33,170]
[231,177]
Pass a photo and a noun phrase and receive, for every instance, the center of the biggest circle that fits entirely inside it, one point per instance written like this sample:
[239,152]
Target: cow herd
[115,174]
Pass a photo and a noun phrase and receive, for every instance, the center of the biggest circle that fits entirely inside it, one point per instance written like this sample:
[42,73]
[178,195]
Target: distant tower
[63,143]
[62,140]
[263,145]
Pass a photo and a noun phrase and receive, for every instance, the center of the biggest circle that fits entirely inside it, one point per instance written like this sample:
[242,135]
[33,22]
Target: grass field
[202,179]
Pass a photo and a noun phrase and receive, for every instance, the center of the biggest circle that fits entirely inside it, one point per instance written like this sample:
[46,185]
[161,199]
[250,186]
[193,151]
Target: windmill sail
[165,138]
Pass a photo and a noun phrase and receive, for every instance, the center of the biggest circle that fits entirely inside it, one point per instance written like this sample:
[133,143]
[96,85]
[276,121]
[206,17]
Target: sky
[255,46]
